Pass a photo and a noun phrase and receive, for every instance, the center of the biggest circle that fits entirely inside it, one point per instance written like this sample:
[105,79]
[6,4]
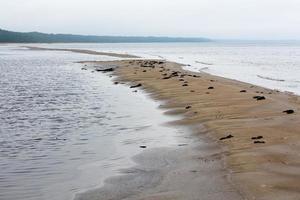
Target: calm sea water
[64,130]
[274,65]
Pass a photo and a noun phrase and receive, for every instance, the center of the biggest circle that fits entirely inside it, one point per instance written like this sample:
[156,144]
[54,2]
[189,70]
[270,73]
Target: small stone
[135,86]
[227,137]
[258,98]
[105,70]
[289,111]
[257,137]
[259,142]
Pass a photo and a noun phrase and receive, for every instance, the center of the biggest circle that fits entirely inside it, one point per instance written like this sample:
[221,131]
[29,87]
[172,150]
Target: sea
[64,130]
[271,64]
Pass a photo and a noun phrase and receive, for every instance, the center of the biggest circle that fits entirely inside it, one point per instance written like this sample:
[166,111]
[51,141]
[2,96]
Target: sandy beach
[83,51]
[255,128]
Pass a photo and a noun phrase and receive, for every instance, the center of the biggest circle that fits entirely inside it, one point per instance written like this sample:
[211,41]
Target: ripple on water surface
[63,130]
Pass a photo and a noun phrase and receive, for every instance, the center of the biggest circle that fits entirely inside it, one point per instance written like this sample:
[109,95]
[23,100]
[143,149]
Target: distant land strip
[118,55]
[37,37]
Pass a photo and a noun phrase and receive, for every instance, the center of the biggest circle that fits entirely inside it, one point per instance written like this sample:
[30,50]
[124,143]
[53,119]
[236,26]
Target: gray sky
[230,19]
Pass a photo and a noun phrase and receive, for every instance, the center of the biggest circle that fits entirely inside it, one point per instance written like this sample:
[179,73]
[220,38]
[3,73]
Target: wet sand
[191,171]
[245,123]
[83,51]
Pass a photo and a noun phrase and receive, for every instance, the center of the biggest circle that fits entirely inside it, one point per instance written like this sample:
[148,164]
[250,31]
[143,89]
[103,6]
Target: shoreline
[82,51]
[184,172]
[261,168]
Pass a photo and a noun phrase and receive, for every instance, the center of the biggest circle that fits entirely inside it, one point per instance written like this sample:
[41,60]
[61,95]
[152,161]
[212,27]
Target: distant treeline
[36,37]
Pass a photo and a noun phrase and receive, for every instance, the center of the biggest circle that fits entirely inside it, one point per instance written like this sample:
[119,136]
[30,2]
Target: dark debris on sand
[259,142]
[105,70]
[289,111]
[135,86]
[227,137]
[258,98]
[257,137]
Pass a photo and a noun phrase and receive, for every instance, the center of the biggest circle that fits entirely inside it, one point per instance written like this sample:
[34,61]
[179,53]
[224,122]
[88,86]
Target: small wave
[203,63]
[203,68]
[269,78]
[161,57]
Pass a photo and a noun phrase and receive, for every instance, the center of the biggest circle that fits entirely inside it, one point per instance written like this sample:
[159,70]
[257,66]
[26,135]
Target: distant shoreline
[90,52]
[37,37]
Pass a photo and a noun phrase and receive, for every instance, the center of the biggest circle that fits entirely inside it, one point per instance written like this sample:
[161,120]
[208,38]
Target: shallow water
[64,130]
[272,64]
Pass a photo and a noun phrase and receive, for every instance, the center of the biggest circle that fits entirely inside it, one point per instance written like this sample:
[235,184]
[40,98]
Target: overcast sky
[228,19]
